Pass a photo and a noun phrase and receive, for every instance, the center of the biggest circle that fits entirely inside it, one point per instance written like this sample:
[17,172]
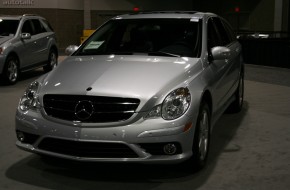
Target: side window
[225,39]
[38,27]
[27,27]
[230,32]
[47,25]
[213,38]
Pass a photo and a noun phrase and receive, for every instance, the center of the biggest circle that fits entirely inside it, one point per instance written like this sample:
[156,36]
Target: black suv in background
[26,42]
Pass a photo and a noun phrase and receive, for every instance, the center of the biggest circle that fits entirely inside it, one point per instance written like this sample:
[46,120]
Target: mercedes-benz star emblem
[84,110]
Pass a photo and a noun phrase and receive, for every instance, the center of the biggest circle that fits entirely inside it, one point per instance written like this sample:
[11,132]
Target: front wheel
[52,61]
[201,140]
[11,70]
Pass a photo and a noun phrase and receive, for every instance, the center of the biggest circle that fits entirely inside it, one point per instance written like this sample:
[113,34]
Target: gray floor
[249,150]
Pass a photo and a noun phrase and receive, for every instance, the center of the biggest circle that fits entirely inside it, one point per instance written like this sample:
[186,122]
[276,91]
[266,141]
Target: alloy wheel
[203,135]
[12,70]
[53,60]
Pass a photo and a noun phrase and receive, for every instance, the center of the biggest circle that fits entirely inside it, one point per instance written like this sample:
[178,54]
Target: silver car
[144,88]
[26,42]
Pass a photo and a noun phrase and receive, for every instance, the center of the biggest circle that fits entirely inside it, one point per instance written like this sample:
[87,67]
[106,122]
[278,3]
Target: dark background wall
[254,15]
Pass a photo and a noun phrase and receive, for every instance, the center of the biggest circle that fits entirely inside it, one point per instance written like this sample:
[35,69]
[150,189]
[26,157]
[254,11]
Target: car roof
[164,14]
[18,17]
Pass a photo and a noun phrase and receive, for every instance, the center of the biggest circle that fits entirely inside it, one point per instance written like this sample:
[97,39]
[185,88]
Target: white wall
[71,4]
[111,5]
[54,4]
[143,5]
[100,4]
[68,4]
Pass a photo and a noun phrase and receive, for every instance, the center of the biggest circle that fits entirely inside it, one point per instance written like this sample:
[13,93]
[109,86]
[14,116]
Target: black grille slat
[60,114]
[106,109]
[87,149]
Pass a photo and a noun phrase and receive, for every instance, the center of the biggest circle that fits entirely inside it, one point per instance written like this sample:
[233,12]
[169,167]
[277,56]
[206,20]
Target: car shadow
[53,173]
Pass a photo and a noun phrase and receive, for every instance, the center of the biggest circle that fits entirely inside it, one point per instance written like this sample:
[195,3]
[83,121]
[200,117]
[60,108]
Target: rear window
[47,25]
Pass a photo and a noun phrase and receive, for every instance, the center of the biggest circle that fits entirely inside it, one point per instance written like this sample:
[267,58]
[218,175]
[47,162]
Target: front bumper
[142,141]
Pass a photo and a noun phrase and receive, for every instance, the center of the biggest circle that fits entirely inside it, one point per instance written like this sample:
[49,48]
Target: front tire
[52,61]
[201,140]
[237,105]
[11,70]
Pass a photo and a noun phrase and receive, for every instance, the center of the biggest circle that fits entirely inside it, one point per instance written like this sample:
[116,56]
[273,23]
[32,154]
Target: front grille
[92,109]
[87,149]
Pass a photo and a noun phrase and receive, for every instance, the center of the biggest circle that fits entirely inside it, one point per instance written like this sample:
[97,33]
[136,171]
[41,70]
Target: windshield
[8,27]
[162,37]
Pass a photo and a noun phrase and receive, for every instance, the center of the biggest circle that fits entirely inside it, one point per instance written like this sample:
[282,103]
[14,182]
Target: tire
[201,141]
[11,70]
[52,61]
[237,105]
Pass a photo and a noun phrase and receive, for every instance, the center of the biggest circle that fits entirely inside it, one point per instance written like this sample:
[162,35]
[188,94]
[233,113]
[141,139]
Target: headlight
[174,105]
[154,113]
[30,98]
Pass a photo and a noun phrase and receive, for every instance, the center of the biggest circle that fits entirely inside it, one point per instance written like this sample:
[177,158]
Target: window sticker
[94,45]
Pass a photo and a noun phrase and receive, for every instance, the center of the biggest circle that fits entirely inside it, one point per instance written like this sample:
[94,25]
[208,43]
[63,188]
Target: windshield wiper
[121,53]
[162,53]
[157,53]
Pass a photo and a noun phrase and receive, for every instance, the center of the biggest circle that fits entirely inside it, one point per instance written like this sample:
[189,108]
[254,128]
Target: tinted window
[27,28]
[8,27]
[225,39]
[47,25]
[230,32]
[38,27]
[213,38]
[172,36]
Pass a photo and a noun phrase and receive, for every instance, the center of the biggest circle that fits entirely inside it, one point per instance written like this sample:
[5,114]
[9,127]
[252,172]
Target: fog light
[169,149]
[20,136]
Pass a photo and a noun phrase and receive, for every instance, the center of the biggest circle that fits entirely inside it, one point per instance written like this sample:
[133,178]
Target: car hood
[141,77]
[4,39]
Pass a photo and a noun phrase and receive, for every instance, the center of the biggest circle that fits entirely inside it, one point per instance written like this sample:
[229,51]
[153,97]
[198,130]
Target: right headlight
[174,105]
[30,98]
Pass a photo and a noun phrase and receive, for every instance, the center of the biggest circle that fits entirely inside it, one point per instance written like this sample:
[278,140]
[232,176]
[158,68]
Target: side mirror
[25,36]
[71,49]
[220,53]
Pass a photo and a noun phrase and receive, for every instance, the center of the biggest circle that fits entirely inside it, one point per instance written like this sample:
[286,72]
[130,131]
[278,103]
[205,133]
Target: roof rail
[29,15]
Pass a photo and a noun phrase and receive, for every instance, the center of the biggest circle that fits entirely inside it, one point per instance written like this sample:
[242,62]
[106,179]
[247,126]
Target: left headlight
[30,98]
[174,105]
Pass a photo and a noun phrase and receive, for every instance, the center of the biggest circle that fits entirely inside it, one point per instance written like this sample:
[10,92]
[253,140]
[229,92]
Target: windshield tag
[94,45]
[194,19]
